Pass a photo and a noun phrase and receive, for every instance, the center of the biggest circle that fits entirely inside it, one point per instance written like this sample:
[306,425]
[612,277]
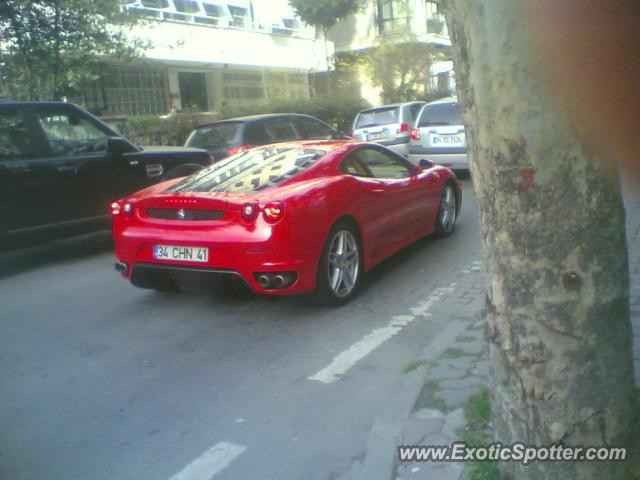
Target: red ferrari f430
[287,218]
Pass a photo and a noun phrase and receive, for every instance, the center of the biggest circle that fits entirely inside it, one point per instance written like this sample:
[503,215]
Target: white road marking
[211,462]
[356,352]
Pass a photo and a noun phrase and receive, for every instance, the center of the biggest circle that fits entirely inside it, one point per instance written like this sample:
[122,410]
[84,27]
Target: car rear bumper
[455,161]
[246,259]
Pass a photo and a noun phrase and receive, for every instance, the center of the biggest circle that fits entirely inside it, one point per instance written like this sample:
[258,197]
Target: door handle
[155,170]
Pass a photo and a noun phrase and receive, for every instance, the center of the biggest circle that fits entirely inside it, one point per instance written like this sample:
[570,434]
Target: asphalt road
[100,380]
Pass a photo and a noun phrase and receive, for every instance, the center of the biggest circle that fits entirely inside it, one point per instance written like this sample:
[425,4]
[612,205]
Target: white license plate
[447,140]
[377,136]
[180,253]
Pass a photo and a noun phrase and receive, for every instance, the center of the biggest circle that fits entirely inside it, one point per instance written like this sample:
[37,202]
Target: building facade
[206,54]
[420,20]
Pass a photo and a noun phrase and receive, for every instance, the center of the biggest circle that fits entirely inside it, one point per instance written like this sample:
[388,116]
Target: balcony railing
[219,14]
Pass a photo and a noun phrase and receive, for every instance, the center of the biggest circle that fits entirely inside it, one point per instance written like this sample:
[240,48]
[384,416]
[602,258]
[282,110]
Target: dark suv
[61,167]
[227,137]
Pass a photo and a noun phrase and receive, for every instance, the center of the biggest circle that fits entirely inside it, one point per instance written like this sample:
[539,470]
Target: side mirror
[426,164]
[118,146]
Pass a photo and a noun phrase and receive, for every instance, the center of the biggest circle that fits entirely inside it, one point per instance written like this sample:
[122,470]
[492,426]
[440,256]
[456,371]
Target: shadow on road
[20,260]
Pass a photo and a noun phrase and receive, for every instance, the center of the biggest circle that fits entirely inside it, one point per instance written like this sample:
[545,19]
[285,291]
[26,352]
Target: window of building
[240,16]
[129,90]
[394,16]
[214,9]
[242,87]
[435,18]
[155,3]
[244,14]
[186,6]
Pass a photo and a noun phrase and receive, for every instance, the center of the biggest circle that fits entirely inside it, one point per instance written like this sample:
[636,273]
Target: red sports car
[287,218]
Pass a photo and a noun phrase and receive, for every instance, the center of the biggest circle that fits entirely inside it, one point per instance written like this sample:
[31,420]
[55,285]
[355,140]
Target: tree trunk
[552,219]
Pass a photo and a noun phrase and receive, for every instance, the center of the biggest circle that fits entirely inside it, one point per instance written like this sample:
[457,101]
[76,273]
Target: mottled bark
[553,226]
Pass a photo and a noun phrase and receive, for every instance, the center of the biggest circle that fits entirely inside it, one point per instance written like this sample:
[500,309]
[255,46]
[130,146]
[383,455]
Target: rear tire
[447,211]
[340,265]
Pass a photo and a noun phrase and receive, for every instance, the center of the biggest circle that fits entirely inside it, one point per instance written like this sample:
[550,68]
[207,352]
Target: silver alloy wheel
[447,209]
[344,263]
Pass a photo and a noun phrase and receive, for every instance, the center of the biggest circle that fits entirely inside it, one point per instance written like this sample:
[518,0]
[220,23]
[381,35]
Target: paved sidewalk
[461,370]
[459,373]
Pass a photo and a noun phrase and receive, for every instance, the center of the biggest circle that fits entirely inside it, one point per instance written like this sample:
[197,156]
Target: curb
[383,439]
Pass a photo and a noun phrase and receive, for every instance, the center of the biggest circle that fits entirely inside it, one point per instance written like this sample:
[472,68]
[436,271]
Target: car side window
[314,129]
[353,166]
[281,130]
[15,142]
[255,134]
[69,134]
[382,165]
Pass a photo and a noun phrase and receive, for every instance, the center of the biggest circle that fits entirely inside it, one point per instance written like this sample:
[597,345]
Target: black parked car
[227,137]
[60,167]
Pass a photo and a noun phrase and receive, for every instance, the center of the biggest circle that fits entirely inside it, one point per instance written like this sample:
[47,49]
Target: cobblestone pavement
[459,373]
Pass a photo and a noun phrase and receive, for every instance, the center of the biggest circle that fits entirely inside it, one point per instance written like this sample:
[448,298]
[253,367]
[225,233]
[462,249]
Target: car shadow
[15,261]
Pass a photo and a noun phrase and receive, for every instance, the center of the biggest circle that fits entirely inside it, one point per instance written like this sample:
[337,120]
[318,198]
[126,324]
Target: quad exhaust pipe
[264,281]
[122,268]
[278,281]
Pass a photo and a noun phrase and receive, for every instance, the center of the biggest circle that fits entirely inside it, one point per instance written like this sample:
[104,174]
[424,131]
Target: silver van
[389,125]
[439,135]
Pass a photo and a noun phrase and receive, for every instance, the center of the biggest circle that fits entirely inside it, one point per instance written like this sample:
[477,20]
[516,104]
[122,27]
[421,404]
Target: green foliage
[52,48]
[323,14]
[165,130]
[401,65]
[335,110]
[414,365]
[478,410]
[428,398]
[453,353]
[478,433]
[174,129]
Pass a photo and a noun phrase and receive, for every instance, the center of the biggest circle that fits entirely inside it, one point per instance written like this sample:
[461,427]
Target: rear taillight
[415,133]
[250,211]
[237,149]
[273,211]
[122,208]
[404,127]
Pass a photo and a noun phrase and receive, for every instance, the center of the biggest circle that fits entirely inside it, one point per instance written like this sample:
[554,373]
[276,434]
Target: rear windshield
[378,116]
[250,171]
[441,114]
[222,134]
